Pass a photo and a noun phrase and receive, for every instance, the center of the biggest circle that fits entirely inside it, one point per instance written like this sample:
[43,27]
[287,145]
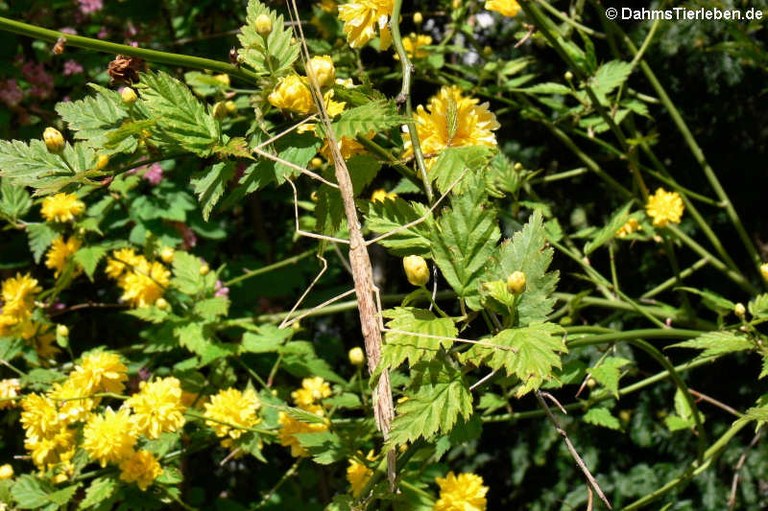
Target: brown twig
[571,449]
[738,467]
[703,397]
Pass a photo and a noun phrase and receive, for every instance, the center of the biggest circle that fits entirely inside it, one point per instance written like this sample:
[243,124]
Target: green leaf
[464,241]
[759,306]
[758,414]
[273,56]
[548,88]
[301,360]
[101,489]
[608,77]
[186,274]
[452,163]
[14,200]
[528,252]
[325,447]
[40,238]
[267,339]
[716,344]
[602,417]
[179,115]
[385,216]
[213,308]
[212,184]
[90,117]
[531,353]
[608,232]
[441,397]
[61,497]
[31,492]
[683,417]
[88,257]
[608,373]
[373,117]
[30,164]
[711,300]
[296,148]
[417,344]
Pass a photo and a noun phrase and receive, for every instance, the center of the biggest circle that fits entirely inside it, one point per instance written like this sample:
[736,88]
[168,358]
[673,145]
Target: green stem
[160,57]
[266,269]
[674,280]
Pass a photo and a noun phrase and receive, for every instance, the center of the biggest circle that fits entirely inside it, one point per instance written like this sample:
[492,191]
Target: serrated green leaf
[385,216]
[548,88]
[26,164]
[211,309]
[465,240]
[531,353]
[441,397]
[267,339]
[304,416]
[608,232]
[758,414]
[453,162]
[90,117]
[608,77]
[296,148]
[373,117]
[14,200]
[608,373]
[30,492]
[301,360]
[186,274]
[88,257]
[716,344]
[602,417]
[40,238]
[100,489]
[417,343]
[711,300]
[61,497]
[325,447]
[759,306]
[273,56]
[211,185]
[528,252]
[764,371]
[179,115]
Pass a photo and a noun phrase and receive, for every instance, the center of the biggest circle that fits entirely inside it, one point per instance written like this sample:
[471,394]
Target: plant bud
[219,110]
[739,310]
[204,269]
[568,76]
[416,270]
[323,70]
[6,472]
[263,25]
[162,304]
[128,95]
[166,254]
[516,283]
[53,139]
[230,106]
[418,18]
[102,161]
[764,271]
[356,356]
[62,331]
[222,79]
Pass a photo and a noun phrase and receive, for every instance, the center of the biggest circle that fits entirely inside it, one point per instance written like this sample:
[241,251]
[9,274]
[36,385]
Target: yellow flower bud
[764,271]
[62,331]
[263,25]
[162,304]
[102,161]
[166,254]
[53,139]
[416,270]
[356,356]
[219,110]
[739,310]
[128,96]
[323,70]
[222,79]
[230,106]
[568,76]
[516,282]
[6,471]
[204,269]
[316,162]
[418,18]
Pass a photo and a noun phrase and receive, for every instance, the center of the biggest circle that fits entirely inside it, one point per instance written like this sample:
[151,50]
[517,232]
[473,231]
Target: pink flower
[39,79]
[90,6]
[10,93]
[72,67]
[68,30]
[220,290]
[153,174]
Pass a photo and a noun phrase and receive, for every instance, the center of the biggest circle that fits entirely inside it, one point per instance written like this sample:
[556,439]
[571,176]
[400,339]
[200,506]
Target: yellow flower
[100,372]
[413,46]
[632,225]
[54,449]
[292,93]
[157,407]
[764,271]
[73,400]
[289,427]
[463,493]
[122,260]
[141,468]
[381,195]
[6,472]
[452,120]
[60,252]
[145,284]
[358,474]
[9,391]
[327,5]
[109,438]
[312,390]
[62,207]
[362,17]
[231,412]
[18,294]
[39,416]
[665,207]
[504,7]
[323,69]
